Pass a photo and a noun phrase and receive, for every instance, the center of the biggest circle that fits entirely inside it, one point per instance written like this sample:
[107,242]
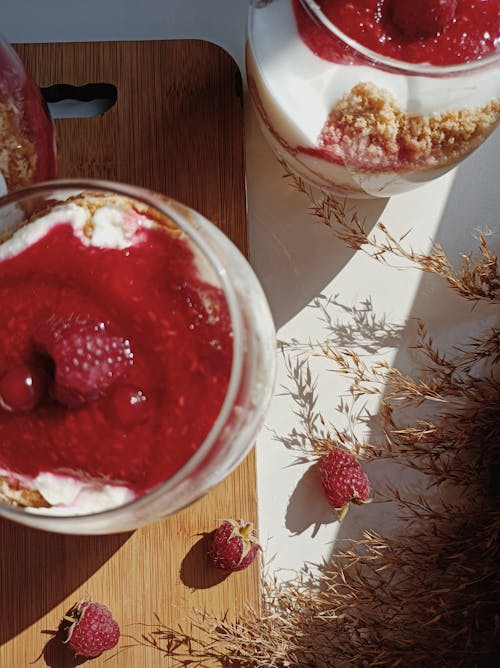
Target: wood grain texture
[177,127]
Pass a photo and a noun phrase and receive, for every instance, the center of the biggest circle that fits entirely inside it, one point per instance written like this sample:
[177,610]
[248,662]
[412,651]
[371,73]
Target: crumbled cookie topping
[18,159]
[14,493]
[369,129]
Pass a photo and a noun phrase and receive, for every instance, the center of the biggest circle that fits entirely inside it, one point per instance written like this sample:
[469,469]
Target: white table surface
[301,264]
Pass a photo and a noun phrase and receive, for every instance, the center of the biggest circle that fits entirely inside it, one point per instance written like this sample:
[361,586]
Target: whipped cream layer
[65,495]
[109,226]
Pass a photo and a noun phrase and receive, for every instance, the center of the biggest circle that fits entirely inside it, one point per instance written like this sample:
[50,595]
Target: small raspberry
[21,388]
[343,481]
[128,405]
[92,629]
[422,18]
[234,545]
[87,359]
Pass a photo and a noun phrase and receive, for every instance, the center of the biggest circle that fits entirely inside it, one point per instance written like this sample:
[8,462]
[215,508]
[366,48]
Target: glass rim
[163,205]
[401,66]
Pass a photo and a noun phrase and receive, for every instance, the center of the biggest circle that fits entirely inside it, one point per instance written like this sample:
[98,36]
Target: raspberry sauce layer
[178,327]
[473,33]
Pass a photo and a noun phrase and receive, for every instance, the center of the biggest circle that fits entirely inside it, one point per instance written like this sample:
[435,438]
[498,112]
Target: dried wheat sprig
[476,279]
[444,448]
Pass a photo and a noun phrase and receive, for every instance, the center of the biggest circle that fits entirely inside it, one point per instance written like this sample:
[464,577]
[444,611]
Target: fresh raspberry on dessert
[423,18]
[234,545]
[90,629]
[21,388]
[87,359]
[343,481]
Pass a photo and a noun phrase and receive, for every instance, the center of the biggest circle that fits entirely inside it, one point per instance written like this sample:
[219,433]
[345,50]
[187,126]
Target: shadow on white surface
[473,205]
[314,303]
[307,505]
[294,255]
[474,201]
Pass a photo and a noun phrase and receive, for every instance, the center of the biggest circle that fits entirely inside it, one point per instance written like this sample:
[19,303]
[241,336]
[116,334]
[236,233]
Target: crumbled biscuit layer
[368,129]
[18,157]
[16,494]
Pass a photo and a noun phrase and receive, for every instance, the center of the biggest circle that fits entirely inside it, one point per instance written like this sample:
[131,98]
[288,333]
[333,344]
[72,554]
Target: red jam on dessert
[357,124]
[27,147]
[115,354]
[438,32]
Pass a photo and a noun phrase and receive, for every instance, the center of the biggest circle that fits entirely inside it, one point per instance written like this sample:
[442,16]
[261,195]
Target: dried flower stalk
[476,279]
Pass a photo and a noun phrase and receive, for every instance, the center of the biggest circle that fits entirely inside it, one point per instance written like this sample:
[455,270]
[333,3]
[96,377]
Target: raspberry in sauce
[472,33]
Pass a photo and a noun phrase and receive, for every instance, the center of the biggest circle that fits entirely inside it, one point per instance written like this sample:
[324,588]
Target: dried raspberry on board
[91,629]
[234,545]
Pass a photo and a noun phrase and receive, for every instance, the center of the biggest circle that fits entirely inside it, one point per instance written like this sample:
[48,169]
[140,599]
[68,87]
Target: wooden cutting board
[176,127]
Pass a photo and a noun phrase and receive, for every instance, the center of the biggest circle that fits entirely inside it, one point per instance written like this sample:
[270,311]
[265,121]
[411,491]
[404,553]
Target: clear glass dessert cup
[27,138]
[362,124]
[252,371]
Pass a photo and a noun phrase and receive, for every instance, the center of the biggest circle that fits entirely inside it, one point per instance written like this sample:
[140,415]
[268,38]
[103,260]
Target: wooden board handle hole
[88,101]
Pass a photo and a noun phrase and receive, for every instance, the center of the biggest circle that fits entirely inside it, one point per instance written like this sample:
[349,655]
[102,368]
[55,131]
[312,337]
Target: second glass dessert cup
[27,141]
[355,122]
[224,273]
